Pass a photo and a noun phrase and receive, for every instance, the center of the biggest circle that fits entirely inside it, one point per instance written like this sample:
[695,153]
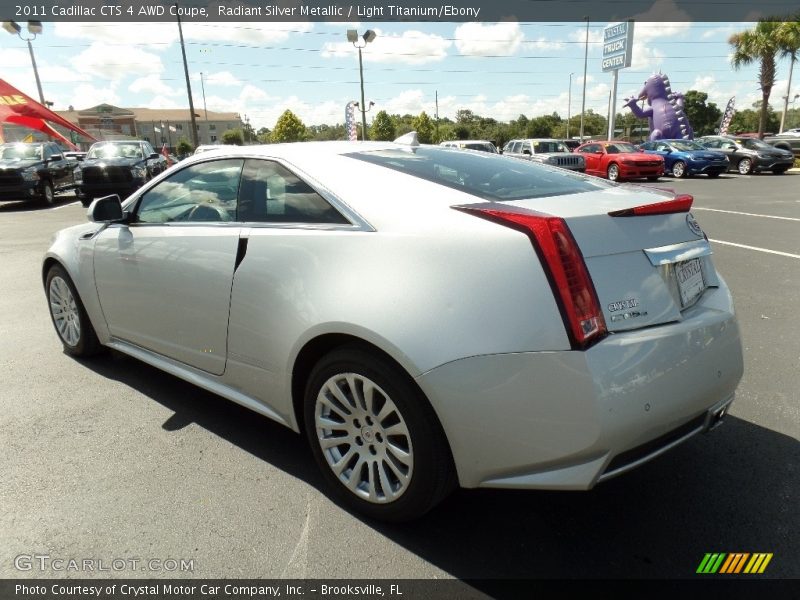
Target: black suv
[118,167]
[34,171]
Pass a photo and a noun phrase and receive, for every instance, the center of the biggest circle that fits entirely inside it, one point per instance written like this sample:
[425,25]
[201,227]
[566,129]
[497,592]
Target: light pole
[569,102]
[585,63]
[34,28]
[352,37]
[787,102]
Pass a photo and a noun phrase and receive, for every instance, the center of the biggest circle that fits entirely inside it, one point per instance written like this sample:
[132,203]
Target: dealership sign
[617,46]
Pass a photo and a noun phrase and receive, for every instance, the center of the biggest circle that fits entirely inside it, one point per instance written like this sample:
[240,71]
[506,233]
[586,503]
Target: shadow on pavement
[733,490]
[12,206]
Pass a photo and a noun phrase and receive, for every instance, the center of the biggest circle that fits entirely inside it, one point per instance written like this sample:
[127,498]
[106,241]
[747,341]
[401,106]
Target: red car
[620,160]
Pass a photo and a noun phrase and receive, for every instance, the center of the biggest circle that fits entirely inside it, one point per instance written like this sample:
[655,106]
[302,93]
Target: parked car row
[38,170]
[618,160]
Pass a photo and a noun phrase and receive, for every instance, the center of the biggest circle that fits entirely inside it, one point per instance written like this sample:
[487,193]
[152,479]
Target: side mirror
[154,155]
[107,209]
[57,157]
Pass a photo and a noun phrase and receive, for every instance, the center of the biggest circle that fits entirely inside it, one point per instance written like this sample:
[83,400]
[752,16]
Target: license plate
[690,280]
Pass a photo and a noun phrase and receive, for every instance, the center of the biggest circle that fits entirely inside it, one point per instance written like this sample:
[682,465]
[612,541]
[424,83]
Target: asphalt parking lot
[110,458]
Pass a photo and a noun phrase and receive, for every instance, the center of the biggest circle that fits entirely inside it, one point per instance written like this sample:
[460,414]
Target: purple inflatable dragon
[666,115]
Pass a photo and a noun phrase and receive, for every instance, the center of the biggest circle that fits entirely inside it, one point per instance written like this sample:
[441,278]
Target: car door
[57,167]
[291,228]
[164,278]
[591,158]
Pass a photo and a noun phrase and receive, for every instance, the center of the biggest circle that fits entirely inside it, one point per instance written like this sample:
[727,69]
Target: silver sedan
[427,318]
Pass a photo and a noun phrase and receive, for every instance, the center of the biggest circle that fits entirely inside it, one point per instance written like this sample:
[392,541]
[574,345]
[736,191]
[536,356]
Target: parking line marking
[778,252]
[734,212]
[65,205]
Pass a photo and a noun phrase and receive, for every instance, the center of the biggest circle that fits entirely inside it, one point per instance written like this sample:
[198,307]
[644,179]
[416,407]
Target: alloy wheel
[364,438]
[65,312]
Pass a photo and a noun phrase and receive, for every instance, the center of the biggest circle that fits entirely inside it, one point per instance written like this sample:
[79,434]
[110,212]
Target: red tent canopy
[20,109]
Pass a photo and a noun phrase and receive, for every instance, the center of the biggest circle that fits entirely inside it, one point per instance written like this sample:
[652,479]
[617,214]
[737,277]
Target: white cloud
[543,44]
[163,33]
[87,95]
[222,78]
[252,33]
[159,102]
[152,84]
[116,62]
[410,47]
[479,39]
[12,58]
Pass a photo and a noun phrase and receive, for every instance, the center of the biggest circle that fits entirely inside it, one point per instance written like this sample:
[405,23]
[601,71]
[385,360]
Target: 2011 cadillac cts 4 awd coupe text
[427,318]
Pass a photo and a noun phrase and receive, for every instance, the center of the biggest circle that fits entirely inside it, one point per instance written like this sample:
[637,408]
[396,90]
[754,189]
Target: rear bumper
[567,420]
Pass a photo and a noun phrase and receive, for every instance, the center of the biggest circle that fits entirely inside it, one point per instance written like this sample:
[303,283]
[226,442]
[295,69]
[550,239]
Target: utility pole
[188,85]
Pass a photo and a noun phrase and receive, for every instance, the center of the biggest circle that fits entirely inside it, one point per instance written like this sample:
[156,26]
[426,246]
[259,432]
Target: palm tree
[789,40]
[760,44]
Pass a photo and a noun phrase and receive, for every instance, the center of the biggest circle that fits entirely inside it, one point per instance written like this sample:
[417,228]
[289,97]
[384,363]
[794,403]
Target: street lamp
[352,37]
[569,102]
[34,28]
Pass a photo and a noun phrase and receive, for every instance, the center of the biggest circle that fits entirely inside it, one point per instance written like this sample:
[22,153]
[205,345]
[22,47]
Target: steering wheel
[207,212]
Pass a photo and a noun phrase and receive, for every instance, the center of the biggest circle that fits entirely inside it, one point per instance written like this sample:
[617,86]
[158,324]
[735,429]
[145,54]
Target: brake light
[678,204]
[565,269]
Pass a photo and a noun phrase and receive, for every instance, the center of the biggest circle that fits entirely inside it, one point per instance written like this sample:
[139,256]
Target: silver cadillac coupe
[427,317]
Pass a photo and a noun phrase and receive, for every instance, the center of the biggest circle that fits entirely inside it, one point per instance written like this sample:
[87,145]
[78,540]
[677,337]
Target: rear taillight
[678,204]
[565,268]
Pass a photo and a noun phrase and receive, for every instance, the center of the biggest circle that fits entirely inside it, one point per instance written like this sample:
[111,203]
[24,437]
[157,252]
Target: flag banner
[165,154]
[727,116]
[350,121]
[19,109]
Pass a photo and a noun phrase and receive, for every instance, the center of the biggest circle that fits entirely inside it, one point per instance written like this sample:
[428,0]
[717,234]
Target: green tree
[263,136]
[704,117]
[383,127]
[759,45]
[544,126]
[184,147]
[289,128]
[233,137]
[423,125]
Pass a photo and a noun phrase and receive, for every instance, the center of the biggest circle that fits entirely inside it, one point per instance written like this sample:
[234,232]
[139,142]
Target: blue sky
[260,69]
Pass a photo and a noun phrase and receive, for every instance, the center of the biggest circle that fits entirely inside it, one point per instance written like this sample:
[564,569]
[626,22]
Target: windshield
[487,176]
[21,152]
[753,144]
[116,151]
[686,146]
[618,147]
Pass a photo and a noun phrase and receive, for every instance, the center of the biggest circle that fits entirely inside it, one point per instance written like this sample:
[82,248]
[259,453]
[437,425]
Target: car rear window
[487,176]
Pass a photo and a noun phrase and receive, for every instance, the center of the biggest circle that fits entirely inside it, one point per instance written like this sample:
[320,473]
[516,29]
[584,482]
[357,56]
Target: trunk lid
[646,269]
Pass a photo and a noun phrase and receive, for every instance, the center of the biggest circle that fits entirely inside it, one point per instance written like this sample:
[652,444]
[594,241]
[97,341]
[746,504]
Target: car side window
[47,151]
[203,192]
[271,193]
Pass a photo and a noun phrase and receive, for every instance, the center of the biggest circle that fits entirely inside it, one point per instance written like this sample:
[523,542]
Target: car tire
[613,172]
[86,201]
[68,315]
[656,178]
[679,169]
[713,175]
[48,194]
[393,462]
[745,166]
[780,171]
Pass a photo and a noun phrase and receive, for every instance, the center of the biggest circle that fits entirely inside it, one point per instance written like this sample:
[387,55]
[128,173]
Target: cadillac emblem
[694,225]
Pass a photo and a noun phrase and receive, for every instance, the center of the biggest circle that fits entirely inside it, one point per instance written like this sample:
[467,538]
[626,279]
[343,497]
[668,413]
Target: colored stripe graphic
[758,563]
[734,562]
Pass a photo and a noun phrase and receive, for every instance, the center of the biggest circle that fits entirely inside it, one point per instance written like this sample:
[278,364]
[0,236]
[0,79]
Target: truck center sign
[617,46]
